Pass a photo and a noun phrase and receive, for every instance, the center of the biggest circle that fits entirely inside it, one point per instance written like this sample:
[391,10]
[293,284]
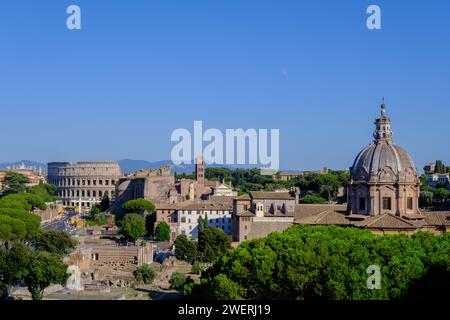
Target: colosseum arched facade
[84,183]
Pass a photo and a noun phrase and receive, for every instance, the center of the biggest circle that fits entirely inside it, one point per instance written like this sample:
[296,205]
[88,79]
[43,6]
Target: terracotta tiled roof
[306,210]
[337,215]
[437,218]
[245,196]
[271,195]
[165,206]
[386,221]
[245,214]
[325,218]
[221,199]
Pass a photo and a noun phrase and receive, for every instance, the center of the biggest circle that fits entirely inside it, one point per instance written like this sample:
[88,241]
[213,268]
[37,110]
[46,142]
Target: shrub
[144,274]
[177,280]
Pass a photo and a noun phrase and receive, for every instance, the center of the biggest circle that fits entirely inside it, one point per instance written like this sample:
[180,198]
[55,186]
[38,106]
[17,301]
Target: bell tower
[200,170]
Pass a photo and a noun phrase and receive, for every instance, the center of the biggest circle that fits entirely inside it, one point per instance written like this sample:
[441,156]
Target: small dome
[380,154]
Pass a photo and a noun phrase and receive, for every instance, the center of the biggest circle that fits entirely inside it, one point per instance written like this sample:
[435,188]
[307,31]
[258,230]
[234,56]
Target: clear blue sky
[139,69]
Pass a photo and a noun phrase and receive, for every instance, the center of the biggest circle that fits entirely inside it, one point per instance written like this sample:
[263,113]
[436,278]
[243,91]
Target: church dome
[381,153]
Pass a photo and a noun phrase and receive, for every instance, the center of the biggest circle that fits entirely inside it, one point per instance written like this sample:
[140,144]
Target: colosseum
[84,183]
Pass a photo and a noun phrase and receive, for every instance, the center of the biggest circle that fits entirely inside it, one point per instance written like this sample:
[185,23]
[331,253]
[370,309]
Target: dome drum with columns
[383,177]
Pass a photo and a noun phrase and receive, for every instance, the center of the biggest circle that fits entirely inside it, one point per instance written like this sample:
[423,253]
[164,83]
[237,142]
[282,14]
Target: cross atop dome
[383,108]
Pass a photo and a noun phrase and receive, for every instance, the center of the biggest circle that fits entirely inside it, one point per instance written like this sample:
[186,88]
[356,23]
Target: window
[386,203]
[362,203]
[409,203]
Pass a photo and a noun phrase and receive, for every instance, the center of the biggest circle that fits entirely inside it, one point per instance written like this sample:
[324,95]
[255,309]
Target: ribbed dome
[380,154]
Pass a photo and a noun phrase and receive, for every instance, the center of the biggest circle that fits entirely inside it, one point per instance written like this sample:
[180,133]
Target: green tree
[11,229]
[15,182]
[14,265]
[185,249]
[218,288]
[26,201]
[139,206]
[328,263]
[441,195]
[53,241]
[45,269]
[197,268]
[440,167]
[144,274]
[177,280]
[426,198]
[313,199]
[31,221]
[133,226]
[212,243]
[202,223]
[329,184]
[44,191]
[162,232]
[344,177]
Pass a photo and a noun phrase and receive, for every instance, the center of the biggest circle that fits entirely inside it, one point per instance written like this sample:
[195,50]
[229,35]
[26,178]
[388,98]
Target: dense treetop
[29,254]
[315,262]
[138,206]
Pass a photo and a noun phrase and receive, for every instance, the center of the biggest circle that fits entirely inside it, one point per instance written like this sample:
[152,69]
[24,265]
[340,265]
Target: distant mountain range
[130,165]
